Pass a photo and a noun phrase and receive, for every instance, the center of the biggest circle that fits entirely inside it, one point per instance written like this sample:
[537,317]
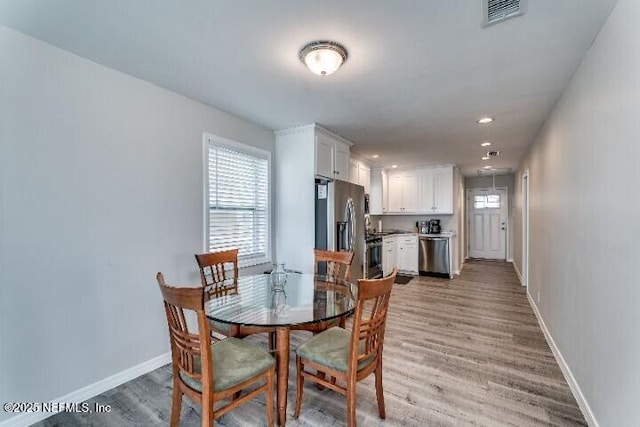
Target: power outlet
[538,297]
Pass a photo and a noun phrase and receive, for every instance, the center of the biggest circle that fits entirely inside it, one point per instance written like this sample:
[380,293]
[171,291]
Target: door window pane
[493,201]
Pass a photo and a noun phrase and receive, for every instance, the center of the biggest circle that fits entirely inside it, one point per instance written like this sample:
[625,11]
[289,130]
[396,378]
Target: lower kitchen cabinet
[388,254]
[400,251]
[407,253]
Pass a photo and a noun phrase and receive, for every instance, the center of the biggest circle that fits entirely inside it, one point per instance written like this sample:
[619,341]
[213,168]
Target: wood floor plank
[460,352]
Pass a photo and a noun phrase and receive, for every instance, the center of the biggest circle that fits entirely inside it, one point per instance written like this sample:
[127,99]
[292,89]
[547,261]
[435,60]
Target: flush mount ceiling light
[486,158]
[323,57]
[394,166]
[485,144]
[486,167]
[485,120]
[375,156]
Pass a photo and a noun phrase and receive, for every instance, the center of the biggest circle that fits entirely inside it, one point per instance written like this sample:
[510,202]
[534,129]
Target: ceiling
[419,74]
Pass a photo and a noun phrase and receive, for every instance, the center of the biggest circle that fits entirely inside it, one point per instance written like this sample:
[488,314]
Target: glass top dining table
[305,302]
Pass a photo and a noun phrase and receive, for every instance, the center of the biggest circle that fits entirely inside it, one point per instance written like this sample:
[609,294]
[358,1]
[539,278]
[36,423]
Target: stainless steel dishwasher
[434,256]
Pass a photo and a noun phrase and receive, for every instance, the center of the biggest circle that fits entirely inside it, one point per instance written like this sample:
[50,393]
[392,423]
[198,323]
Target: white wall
[100,188]
[295,214]
[585,221]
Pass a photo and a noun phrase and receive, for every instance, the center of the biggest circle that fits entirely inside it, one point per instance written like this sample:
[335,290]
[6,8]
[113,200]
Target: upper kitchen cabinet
[360,173]
[332,155]
[403,192]
[378,192]
[302,154]
[435,189]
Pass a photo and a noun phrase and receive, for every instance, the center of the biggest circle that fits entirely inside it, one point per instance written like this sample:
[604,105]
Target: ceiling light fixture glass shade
[485,120]
[323,57]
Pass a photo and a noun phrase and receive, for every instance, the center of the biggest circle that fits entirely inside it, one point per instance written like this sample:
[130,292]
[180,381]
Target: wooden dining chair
[348,357]
[218,272]
[219,277]
[208,372]
[338,264]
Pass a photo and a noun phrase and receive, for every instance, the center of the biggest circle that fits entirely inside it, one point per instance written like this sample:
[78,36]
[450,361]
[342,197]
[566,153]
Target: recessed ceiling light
[485,120]
[375,156]
[486,158]
[485,144]
[323,57]
[394,166]
[486,167]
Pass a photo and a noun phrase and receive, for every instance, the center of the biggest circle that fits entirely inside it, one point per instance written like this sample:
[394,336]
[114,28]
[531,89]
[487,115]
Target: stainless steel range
[373,257]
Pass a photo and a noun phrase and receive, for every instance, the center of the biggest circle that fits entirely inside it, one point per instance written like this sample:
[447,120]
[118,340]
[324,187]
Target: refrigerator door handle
[351,217]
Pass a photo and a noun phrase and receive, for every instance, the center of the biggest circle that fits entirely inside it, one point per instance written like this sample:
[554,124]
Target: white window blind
[237,200]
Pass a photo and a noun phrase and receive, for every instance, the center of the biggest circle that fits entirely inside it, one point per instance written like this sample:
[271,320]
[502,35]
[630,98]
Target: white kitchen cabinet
[403,192]
[364,177]
[378,192]
[341,160]
[388,254]
[332,156]
[385,192]
[354,172]
[435,190]
[324,156]
[407,253]
[360,173]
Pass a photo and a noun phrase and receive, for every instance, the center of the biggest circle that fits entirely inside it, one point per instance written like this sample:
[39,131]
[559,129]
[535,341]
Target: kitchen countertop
[447,234]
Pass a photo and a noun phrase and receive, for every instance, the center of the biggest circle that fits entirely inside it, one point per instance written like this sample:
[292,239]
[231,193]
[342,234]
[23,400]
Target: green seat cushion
[234,361]
[331,349]
[219,326]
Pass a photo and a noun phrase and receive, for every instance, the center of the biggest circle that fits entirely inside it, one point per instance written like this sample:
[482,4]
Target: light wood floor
[466,351]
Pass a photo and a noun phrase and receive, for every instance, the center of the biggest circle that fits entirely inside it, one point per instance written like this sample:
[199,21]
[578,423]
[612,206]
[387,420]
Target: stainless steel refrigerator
[340,220]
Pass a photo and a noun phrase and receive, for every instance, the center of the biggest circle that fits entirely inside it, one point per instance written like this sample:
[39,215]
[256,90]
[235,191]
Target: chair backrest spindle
[338,263]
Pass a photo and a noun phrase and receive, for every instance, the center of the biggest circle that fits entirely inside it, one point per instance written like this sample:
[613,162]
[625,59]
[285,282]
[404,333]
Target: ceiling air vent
[494,11]
[493,153]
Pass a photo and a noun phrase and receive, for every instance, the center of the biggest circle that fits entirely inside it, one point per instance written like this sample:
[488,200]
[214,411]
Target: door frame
[526,201]
[468,221]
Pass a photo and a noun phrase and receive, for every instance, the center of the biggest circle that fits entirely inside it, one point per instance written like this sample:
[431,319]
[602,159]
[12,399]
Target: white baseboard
[92,390]
[566,371]
[515,267]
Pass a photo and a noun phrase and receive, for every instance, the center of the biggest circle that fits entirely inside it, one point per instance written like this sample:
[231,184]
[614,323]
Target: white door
[487,223]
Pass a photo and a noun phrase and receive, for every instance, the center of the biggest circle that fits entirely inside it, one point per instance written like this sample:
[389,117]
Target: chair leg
[379,391]
[176,404]
[272,342]
[343,322]
[351,402]
[299,386]
[269,397]
[207,413]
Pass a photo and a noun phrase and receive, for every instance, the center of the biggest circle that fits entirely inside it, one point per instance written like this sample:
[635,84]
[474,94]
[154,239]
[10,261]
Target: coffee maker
[434,226]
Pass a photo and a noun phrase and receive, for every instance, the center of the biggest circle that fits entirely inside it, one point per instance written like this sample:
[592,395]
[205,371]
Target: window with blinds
[237,199]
